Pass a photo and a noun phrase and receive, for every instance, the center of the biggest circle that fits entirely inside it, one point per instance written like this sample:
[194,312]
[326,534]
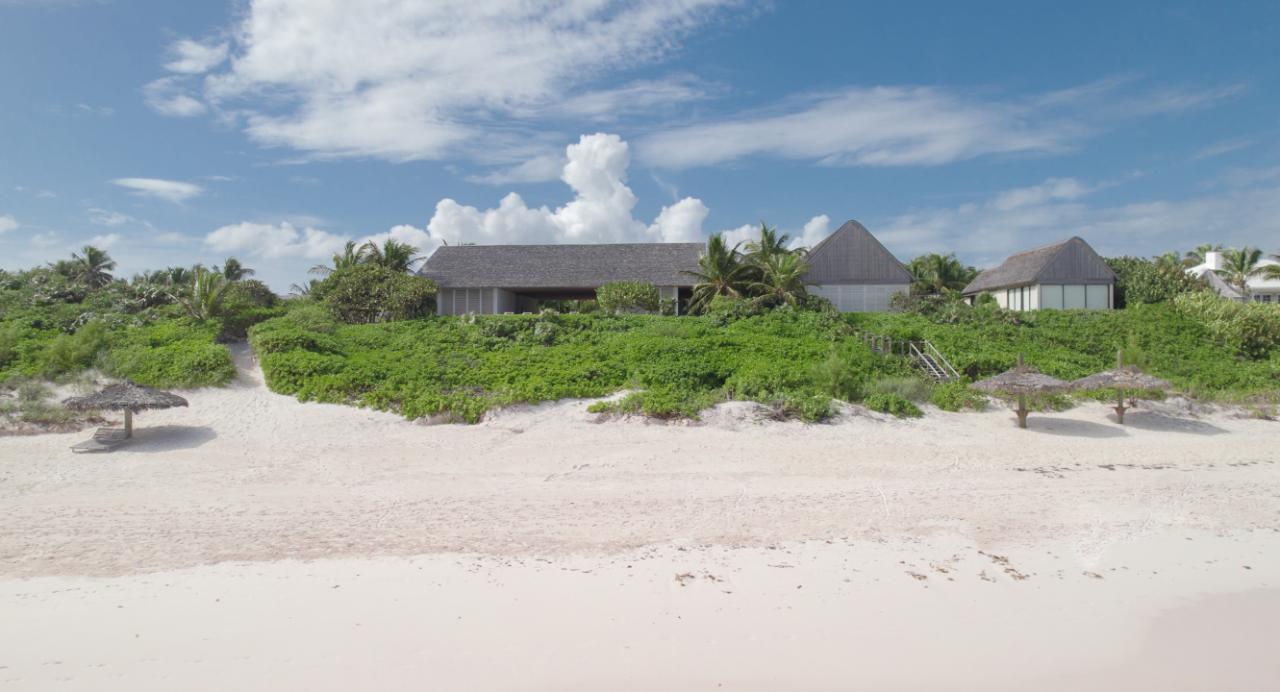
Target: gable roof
[562,266]
[1070,261]
[852,255]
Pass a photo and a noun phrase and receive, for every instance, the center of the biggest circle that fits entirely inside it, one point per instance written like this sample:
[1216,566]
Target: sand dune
[254,542]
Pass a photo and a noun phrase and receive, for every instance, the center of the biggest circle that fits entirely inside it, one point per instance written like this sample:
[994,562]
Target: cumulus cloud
[443,73]
[601,211]
[274,240]
[7,223]
[813,231]
[193,57]
[168,190]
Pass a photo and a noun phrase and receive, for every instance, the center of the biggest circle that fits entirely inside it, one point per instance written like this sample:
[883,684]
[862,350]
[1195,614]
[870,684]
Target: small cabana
[1022,381]
[1124,378]
[127,397]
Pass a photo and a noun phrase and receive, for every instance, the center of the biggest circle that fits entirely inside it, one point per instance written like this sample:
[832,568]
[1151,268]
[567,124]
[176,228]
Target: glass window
[1073,297]
[1051,297]
[1096,297]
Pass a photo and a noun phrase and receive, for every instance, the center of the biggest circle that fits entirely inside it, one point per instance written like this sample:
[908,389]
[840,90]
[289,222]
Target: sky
[274,131]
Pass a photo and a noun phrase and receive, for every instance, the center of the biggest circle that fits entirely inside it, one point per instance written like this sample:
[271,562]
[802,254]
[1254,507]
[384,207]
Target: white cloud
[741,235]
[7,223]
[535,170]
[104,241]
[601,211]
[814,231]
[985,232]
[643,95]
[168,190]
[170,96]
[192,57]
[1220,148]
[1051,189]
[413,80]
[917,126]
[274,240]
[45,239]
[107,217]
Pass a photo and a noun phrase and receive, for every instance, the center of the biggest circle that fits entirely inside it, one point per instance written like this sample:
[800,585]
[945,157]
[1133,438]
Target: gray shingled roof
[562,266]
[852,255]
[1070,261]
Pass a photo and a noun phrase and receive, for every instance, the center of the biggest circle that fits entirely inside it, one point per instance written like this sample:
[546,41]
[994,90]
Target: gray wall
[859,297]
[482,301]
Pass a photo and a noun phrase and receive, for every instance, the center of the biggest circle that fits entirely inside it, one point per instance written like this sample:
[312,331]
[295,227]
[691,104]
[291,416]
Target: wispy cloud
[7,223]
[107,217]
[276,240]
[1221,148]
[171,96]
[193,57]
[168,190]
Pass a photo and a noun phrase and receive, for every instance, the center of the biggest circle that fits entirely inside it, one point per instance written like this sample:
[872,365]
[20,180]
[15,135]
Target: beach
[255,542]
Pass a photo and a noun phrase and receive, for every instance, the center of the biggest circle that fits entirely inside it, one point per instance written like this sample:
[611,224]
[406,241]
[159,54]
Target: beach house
[849,267]
[1261,289]
[1065,275]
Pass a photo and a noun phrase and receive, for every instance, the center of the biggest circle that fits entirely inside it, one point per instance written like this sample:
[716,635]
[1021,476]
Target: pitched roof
[1070,261]
[852,255]
[562,266]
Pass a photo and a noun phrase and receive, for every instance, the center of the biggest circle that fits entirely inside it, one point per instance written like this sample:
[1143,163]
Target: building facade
[1068,275]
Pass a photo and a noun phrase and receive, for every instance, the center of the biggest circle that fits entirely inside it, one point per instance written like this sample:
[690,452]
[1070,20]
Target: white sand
[252,542]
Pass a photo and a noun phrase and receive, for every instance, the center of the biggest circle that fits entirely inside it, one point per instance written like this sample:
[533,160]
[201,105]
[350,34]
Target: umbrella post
[1120,407]
[128,422]
[1022,410]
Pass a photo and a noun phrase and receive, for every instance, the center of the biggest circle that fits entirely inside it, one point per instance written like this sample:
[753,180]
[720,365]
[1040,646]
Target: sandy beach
[254,542]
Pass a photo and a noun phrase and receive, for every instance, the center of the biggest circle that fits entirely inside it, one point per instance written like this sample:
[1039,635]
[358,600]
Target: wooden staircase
[923,354]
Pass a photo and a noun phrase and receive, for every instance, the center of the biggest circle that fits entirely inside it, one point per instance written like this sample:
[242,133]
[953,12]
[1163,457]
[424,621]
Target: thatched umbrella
[1021,380]
[1123,378]
[127,397]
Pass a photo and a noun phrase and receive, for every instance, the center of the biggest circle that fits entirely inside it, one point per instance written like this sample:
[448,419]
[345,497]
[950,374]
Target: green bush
[182,364]
[1251,329]
[893,404]
[909,388]
[69,353]
[628,296]
[367,293]
[1141,280]
[957,396]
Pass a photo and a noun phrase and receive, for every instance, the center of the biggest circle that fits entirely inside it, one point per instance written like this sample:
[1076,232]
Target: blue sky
[274,130]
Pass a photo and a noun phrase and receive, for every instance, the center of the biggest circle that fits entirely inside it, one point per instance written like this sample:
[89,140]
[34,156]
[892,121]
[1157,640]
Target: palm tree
[1239,266]
[393,255]
[781,279]
[1169,263]
[93,268]
[203,298]
[233,270]
[1272,271]
[769,244]
[303,290]
[349,257]
[935,274]
[1196,257]
[720,273]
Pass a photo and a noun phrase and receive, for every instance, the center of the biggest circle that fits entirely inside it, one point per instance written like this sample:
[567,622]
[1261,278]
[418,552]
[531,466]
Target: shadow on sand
[1150,420]
[1070,427]
[169,438]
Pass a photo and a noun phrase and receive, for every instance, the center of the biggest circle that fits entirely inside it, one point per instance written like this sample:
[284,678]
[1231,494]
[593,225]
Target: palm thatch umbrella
[127,397]
[1123,378]
[1021,380]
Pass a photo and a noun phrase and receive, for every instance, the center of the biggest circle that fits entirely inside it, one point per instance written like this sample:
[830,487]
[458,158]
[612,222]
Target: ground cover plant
[794,361]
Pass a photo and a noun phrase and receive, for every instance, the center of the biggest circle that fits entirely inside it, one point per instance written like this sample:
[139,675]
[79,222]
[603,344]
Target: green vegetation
[369,292]
[628,296]
[1140,281]
[1204,345]
[466,366]
[935,274]
[768,274]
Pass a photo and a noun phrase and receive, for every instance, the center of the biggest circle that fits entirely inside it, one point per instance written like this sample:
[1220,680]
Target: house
[850,268]
[854,271]
[1064,275]
[1261,290]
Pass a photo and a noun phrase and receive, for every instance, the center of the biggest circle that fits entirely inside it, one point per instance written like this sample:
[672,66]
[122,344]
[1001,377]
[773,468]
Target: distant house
[850,268]
[854,271]
[1260,290]
[1064,275]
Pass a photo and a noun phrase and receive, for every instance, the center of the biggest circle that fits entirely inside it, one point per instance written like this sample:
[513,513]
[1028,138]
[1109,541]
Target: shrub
[182,364]
[628,296]
[893,404]
[1251,329]
[1141,280]
[68,353]
[367,293]
[909,388]
[957,396]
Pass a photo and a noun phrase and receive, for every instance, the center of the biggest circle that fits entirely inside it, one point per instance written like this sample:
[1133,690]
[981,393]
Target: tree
[720,273]
[628,296]
[770,244]
[1169,263]
[1239,266]
[203,298]
[781,280]
[1140,280]
[393,255]
[349,257]
[1271,271]
[370,292]
[937,274]
[1197,256]
[93,268]
[232,270]
[304,290]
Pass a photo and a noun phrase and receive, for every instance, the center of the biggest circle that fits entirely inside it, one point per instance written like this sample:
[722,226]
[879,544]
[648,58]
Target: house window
[1096,297]
[1073,297]
[1051,297]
